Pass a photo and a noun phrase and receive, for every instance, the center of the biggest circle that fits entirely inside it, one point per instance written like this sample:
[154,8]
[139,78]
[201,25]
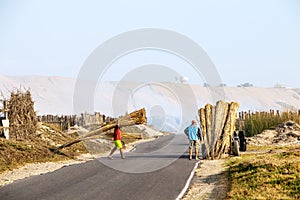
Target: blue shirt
[192,132]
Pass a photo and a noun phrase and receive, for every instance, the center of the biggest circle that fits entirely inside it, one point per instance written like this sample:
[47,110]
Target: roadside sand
[38,169]
[209,182]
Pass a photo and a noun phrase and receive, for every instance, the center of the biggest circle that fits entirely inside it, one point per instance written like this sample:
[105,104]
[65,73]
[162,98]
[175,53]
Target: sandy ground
[284,134]
[209,182]
[38,169]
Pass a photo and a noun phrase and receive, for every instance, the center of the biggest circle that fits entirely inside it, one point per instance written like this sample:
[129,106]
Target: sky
[255,41]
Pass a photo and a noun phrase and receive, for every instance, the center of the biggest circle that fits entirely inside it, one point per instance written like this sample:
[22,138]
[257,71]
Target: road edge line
[188,182]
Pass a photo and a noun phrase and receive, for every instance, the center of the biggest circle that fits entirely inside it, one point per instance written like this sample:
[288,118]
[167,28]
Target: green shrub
[257,122]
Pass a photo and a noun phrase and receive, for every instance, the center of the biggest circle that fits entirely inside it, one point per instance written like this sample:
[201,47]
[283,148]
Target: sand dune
[172,103]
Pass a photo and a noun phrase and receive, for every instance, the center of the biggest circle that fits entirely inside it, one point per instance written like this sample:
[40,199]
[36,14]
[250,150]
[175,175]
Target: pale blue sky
[252,41]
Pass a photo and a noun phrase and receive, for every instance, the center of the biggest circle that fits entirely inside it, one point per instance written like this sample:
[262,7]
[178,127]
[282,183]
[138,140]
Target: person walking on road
[118,143]
[193,132]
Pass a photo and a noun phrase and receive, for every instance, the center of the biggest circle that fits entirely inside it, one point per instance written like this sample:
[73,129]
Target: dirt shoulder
[33,169]
[210,181]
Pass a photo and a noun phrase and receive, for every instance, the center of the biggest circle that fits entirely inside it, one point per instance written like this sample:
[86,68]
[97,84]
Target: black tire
[242,141]
[243,146]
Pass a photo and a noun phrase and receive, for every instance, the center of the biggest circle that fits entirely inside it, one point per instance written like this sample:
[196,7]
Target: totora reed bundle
[134,118]
[21,115]
[218,125]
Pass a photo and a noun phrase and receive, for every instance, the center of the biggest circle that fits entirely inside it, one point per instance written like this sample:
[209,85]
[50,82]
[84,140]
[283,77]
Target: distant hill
[54,95]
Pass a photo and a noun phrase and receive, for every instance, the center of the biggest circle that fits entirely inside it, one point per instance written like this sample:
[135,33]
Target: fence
[4,122]
[67,121]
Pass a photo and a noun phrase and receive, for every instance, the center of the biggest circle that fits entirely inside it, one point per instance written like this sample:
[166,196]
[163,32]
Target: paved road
[155,170]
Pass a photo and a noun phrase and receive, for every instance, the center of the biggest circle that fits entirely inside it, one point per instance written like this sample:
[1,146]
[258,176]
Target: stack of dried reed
[21,115]
[218,124]
[136,117]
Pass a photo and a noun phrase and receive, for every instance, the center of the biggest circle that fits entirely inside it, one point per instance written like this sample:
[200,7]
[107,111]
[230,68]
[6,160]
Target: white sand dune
[173,103]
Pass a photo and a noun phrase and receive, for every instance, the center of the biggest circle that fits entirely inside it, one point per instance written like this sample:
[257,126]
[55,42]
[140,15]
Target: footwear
[123,157]
[190,157]
[196,158]
[110,157]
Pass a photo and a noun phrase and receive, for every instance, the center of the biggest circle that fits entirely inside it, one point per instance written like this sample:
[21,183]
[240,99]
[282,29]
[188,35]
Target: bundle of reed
[134,118]
[22,117]
[218,125]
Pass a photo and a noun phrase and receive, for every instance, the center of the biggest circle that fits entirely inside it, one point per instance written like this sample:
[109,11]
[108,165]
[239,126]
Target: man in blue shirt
[193,132]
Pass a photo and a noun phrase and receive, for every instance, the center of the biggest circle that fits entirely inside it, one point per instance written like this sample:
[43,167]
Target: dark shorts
[194,143]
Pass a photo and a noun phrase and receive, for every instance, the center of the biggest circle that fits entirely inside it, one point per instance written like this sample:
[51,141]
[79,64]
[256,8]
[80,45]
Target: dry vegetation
[274,174]
[270,168]
[31,141]
[21,115]
[14,153]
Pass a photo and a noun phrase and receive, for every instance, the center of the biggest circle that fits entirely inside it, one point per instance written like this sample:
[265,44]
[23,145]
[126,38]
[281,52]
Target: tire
[243,146]
[236,150]
[242,141]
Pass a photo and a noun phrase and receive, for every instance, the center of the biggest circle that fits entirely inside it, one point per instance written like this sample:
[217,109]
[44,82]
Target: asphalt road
[155,170]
